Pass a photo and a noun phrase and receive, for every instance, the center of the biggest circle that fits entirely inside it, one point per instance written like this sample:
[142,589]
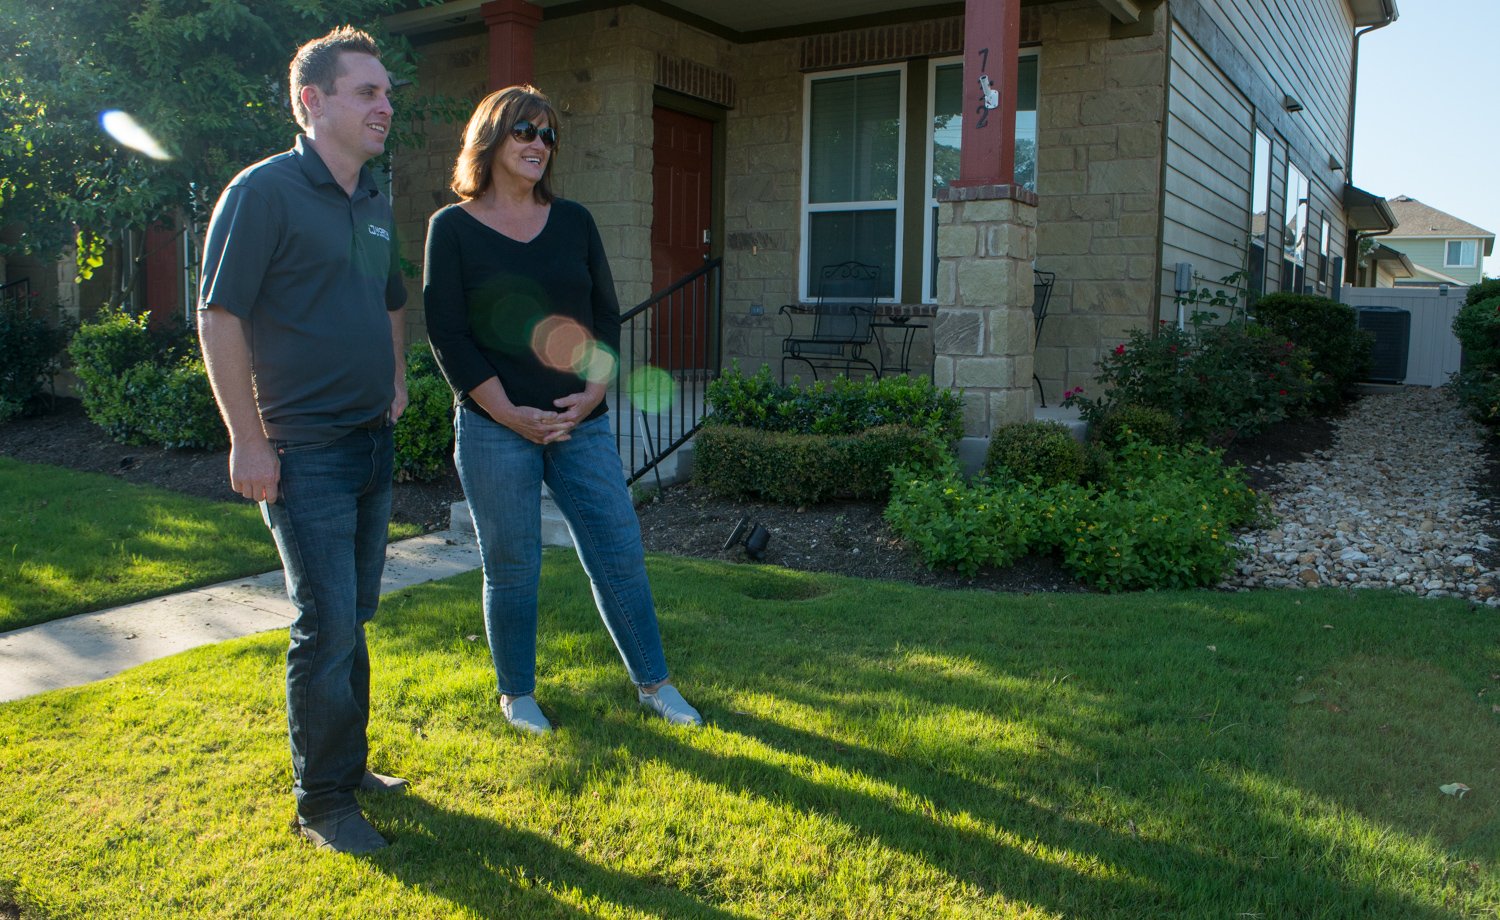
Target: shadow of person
[495,870]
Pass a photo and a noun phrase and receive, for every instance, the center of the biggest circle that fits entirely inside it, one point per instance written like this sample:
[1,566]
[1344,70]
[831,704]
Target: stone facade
[1100,139]
[1100,133]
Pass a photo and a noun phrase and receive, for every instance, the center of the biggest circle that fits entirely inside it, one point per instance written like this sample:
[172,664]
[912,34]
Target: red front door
[681,217]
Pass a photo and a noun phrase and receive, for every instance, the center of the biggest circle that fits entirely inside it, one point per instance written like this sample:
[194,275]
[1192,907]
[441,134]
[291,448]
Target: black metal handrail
[669,351]
[16,293]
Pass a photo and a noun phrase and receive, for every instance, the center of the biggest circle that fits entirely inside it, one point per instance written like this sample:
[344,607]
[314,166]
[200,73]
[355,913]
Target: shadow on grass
[435,849]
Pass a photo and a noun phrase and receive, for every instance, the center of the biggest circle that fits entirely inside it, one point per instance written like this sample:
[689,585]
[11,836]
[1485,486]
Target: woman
[522,316]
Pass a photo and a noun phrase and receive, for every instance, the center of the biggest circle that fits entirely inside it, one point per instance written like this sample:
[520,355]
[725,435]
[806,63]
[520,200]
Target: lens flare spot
[560,343]
[651,390]
[128,133]
[597,364]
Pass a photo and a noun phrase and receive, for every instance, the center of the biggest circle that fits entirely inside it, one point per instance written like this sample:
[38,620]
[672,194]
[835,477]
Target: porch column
[983,334]
[512,25]
[992,48]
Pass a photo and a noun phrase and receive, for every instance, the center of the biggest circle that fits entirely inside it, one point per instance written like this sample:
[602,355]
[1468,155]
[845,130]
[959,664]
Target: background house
[783,136]
[1442,248]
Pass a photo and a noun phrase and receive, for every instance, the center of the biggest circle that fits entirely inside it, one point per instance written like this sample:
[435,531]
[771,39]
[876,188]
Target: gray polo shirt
[313,271]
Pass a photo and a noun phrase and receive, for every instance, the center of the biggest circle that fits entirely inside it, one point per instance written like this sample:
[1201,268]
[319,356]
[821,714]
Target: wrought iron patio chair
[841,319]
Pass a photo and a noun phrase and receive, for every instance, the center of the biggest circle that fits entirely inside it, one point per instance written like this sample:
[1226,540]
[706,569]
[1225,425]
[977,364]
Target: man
[301,320]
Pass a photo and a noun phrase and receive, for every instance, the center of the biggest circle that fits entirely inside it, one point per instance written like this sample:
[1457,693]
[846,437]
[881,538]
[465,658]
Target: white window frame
[1261,167]
[928,267]
[805,292]
[1472,245]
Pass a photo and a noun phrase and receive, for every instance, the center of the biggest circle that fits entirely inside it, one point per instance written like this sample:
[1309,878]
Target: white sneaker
[669,704]
[525,714]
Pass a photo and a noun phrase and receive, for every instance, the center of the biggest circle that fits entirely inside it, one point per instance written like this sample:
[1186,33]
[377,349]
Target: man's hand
[254,470]
[398,405]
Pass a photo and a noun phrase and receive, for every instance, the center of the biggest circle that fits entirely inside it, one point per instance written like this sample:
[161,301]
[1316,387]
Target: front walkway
[92,646]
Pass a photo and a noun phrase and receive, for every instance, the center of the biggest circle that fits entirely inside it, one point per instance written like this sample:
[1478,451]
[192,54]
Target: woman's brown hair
[488,129]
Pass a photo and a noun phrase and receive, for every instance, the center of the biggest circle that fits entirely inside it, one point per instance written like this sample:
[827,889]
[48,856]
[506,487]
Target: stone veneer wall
[1100,125]
[983,330]
[762,202]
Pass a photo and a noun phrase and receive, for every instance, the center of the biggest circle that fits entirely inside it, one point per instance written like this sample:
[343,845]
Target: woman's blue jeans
[330,527]
[502,475]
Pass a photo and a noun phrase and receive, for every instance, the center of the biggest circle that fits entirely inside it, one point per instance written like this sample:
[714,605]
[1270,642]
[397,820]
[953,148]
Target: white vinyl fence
[1433,352]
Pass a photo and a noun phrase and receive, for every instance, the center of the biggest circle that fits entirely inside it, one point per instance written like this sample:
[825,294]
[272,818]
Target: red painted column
[512,25]
[992,41]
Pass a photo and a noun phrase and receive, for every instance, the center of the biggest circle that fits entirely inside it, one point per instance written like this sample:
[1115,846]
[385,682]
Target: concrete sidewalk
[91,646]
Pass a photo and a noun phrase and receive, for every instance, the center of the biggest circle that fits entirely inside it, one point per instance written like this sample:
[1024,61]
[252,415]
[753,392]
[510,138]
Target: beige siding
[1206,207]
[1300,47]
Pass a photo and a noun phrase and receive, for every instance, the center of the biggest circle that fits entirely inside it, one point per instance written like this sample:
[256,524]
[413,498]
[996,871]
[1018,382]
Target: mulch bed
[845,538]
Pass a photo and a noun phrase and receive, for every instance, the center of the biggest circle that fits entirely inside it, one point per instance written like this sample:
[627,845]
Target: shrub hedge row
[804,469]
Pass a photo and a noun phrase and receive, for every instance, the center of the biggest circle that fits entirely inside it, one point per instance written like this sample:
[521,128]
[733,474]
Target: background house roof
[1415,219]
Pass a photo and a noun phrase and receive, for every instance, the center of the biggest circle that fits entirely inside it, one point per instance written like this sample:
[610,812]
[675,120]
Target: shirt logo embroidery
[380,232]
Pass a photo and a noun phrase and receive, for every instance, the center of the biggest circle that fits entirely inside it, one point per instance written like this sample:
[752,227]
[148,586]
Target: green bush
[1218,382]
[145,387]
[803,469]
[1478,391]
[1338,350]
[29,355]
[1121,423]
[1477,327]
[1041,451]
[966,527]
[1160,517]
[424,433]
[1487,289]
[843,406]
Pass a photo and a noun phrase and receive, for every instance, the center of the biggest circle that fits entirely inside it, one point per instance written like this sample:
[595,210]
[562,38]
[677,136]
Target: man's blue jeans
[502,475]
[330,527]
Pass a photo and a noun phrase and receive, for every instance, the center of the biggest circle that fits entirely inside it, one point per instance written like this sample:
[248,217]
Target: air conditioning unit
[1391,327]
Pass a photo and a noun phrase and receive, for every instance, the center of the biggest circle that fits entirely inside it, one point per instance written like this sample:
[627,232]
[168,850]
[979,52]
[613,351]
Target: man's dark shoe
[379,782]
[350,834]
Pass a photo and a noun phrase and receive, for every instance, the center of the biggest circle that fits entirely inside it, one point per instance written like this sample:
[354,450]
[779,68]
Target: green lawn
[72,542]
[875,750]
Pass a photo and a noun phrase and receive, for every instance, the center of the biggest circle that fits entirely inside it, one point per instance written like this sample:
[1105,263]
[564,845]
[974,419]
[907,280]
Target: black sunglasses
[526,132]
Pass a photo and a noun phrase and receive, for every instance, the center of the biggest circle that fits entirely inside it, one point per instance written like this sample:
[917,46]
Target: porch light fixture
[1291,103]
[1335,164]
[754,537]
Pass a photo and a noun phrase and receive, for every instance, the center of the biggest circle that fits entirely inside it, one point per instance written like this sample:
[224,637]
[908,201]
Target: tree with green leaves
[206,79]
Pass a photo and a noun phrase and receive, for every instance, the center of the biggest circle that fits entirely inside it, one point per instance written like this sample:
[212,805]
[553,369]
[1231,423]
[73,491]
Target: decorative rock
[1391,505]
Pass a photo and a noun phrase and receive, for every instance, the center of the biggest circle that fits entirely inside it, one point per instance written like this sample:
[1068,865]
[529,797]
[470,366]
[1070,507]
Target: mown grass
[875,750]
[72,542]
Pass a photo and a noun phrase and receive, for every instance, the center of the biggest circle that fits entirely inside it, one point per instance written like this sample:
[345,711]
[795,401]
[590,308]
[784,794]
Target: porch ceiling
[737,17]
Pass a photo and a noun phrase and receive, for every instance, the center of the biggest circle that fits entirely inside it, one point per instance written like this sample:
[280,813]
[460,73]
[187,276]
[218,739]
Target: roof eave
[1375,13]
[1367,211]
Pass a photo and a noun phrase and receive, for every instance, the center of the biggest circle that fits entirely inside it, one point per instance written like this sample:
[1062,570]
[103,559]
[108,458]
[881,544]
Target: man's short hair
[317,64]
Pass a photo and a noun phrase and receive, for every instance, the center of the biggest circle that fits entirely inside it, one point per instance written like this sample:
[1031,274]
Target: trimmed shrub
[1338,350]
[1044,452]
[144,387]
[29,355]
[1477,327]
[965,527]
[1159,518]
[842,406]
[804,469]
[1218,382]
[424,433]
[1122,423]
